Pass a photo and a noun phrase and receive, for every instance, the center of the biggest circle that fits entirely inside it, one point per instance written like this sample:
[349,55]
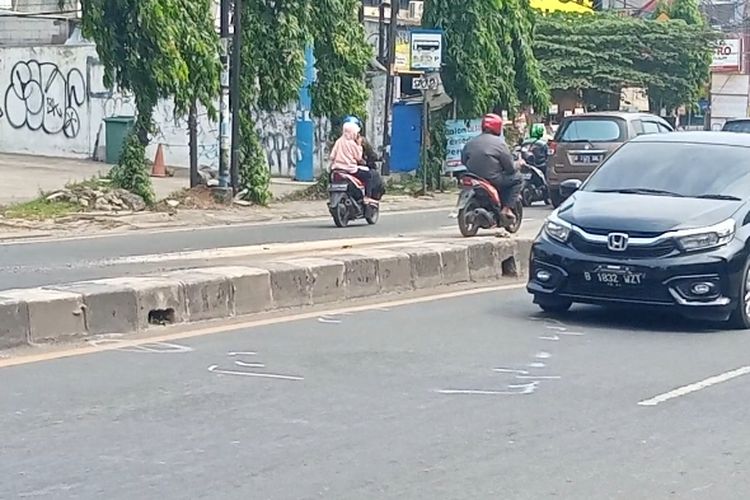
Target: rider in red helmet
[487,156]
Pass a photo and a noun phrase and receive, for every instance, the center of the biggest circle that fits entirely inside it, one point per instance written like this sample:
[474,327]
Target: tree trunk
[195,178]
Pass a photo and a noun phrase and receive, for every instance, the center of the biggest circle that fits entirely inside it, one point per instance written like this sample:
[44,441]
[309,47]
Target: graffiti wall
[54,103]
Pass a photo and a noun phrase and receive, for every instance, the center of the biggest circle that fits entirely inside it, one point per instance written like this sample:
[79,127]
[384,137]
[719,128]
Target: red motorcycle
[479,207]
[347,200]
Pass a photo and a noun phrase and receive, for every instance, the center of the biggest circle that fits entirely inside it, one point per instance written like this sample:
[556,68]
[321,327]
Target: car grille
[632,252]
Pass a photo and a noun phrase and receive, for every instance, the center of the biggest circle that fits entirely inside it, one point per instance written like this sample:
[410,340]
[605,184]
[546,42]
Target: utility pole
[381,34]
[235,90]
[390,83]
[224,137]
[195,178]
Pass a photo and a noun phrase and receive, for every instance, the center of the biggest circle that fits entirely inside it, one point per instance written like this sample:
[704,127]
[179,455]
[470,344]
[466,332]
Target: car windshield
[741,126]
[591,130]
[676,169]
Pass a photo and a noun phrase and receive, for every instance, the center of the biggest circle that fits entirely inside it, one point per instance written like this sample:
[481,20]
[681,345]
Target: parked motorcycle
[346,201]
[535,187]
[479,207]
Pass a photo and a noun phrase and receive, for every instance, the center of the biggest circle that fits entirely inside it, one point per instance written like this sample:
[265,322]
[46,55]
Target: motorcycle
[346,201]
[479,207]
[535,187]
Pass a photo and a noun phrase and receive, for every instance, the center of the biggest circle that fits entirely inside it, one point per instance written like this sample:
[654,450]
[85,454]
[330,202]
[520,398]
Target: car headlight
[709,237]
[556,228]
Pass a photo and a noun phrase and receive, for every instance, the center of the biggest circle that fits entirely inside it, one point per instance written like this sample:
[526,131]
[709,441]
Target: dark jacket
[488,157]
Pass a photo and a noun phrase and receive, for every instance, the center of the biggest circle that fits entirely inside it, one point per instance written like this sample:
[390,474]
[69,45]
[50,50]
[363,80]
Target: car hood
[643,213]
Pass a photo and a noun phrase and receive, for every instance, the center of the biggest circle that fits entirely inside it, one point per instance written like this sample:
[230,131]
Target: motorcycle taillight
[468,181]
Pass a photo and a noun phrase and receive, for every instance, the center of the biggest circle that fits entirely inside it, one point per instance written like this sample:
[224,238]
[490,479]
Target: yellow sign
[403,57]
[581,6]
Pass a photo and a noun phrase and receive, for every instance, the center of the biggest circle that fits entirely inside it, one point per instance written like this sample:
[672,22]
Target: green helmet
[537,131]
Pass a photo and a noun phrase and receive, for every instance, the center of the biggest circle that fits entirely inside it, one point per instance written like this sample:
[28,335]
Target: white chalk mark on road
[538,377]
[537,364]
[241,353]
[689,389]
[151,348]
[276,376]
[572,334]
[510,370]
[542,355]
[551,338]
[245,364]
[329,320]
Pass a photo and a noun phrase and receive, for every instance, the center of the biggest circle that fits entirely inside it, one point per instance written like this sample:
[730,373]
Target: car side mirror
[569,187]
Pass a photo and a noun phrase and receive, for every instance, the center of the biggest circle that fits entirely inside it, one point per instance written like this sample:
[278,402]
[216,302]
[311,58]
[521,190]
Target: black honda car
[664,222]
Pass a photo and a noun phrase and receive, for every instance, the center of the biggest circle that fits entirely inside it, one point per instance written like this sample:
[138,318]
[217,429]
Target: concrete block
[110,307]
[291,284]
[250,288]
[454,260]
[14,323]
[522,254]
[328,283]
[207,295]
[483,264]
[394,270]
[53,315]
[360,275]
[505,256]
[426,268]
[159,300]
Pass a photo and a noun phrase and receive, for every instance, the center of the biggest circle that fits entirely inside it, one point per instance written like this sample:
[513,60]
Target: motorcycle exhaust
[484,217]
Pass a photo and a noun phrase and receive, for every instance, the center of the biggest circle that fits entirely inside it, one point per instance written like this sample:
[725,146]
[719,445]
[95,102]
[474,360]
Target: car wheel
[740,318]
[555,197]
[553,306]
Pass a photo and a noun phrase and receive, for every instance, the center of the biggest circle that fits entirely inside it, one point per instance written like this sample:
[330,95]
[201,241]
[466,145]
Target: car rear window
[741,126]
[592,130]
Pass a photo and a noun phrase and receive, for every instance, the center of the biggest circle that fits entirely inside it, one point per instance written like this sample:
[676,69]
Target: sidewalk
[23,177]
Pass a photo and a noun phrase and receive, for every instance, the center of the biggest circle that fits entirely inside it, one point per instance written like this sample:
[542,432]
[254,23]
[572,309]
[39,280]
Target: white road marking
[510,370]
[219,371]
[542,355]
[572,334]
[538,377]
[245,364]
[241,353]
[697,386]
[536,364]
[552,338]
[557,328]
[329,320]
[525,389]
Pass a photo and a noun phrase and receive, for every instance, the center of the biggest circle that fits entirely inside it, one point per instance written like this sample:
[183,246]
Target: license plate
[614,277]
[338,187]
[587,159]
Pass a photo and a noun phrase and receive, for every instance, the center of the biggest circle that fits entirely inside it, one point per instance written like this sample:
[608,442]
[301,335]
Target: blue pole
[305,125]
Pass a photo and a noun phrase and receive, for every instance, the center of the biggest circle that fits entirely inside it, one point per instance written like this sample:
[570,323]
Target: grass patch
[40,209]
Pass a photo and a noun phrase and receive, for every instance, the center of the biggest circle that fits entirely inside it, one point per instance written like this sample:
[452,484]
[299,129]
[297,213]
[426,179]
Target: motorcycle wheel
[468,229]
[518,211]
[372,215]
[340,214]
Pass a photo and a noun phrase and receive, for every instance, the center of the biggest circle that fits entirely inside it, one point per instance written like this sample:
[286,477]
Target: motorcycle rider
[487,156]
[538,146]
[347,155]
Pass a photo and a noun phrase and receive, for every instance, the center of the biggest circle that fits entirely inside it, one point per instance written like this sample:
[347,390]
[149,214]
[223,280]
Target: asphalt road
[32,264]
[394,403]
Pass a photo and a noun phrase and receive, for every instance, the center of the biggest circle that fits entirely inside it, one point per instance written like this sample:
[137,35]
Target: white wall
[53,103]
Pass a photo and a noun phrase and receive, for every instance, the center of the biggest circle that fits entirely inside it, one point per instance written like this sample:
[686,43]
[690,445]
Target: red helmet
[492,124]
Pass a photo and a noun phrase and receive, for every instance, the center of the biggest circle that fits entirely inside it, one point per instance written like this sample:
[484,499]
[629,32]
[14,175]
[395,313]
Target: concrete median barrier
[129,305]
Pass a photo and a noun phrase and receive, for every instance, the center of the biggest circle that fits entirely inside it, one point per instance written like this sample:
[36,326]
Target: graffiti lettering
[41,97]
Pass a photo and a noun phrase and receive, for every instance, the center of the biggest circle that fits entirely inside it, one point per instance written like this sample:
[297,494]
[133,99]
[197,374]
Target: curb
[134,304]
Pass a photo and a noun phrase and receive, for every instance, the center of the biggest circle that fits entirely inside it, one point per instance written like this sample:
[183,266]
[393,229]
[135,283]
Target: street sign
[727,56]
[426,50]
[426,82]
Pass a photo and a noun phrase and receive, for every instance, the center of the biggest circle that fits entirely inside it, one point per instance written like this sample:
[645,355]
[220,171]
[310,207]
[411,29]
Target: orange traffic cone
[159,169]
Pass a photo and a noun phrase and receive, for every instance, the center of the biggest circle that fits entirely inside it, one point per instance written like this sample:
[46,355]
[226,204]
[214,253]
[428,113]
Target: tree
[153,49]
[275,35]
[605,52]
[489,62]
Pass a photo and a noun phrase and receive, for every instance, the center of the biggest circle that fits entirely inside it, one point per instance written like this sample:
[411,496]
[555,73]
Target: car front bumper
[665,281]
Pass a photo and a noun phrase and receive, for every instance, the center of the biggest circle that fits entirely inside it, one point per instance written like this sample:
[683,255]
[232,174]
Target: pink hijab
[347,153]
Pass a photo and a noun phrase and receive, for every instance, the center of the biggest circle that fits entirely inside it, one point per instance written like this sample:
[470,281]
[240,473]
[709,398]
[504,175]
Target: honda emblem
[617,242]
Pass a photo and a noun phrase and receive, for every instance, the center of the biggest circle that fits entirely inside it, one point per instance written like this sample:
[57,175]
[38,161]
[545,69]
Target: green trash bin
[116,129]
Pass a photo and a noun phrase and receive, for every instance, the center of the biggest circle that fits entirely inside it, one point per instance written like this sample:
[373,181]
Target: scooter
[535,187]
[479,207]
[346,201]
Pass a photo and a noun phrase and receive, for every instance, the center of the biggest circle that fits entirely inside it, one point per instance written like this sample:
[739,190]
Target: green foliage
[154,49]
[688,11]
[489,62]
[275,34]
[131,173]
[342,56]
[605,52]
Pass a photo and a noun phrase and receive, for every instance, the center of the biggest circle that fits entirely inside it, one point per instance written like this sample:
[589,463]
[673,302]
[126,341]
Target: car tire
[553,306]
[555,197]
[740,319]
